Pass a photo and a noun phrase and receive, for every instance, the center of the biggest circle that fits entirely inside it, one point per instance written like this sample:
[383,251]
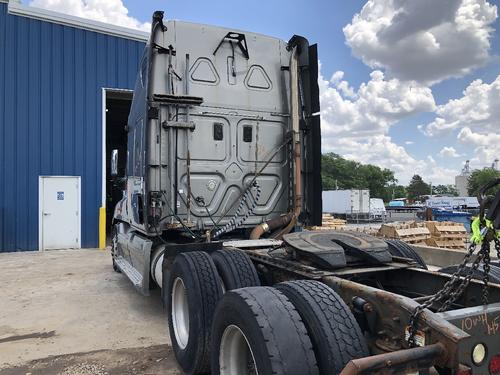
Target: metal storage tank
[54,70]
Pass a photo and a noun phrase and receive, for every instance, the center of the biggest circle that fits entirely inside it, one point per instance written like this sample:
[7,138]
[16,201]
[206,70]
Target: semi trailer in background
[377,209]
[223,174]
[452,202]
[347,203]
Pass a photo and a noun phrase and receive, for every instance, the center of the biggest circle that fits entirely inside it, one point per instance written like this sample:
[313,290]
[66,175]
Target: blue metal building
[54,72]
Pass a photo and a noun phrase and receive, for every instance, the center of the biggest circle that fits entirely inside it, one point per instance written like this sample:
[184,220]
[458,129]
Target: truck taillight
[495,365]
[464,370]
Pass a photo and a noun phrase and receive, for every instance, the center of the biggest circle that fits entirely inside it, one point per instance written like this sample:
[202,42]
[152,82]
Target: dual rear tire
[298,327]
[257,330]
[193,293]
[196,283]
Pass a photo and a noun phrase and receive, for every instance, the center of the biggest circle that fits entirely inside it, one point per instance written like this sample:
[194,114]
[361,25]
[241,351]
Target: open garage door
[116,108]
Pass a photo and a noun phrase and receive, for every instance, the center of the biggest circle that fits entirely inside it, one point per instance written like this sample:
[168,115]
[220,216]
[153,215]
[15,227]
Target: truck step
[130,271]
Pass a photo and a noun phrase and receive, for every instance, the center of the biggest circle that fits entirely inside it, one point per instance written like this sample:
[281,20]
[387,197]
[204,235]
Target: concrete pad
[71,301]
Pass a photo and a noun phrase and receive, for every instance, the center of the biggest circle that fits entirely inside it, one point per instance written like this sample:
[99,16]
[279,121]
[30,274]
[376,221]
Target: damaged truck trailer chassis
[223,172]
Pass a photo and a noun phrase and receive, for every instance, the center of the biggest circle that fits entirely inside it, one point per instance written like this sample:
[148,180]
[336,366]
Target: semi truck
[223,175]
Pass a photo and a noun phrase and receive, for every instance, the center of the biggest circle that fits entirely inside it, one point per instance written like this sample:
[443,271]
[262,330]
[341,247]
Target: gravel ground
[67,312]
[138,361]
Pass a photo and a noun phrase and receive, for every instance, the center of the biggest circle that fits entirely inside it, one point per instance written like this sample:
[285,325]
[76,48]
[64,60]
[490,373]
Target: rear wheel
[193,290]
[402,249]
[235,269]
[334,332]
[258,331]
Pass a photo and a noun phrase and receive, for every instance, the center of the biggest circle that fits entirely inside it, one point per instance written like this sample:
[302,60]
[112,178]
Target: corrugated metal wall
[50,117]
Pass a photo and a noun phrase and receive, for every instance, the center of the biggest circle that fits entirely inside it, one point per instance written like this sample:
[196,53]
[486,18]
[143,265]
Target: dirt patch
[152,360]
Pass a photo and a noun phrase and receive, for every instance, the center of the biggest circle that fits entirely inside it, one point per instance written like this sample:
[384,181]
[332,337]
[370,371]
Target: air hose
[236,221]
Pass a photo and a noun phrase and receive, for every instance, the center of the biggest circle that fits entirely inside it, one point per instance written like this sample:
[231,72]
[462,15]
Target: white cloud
[449,152]
[355,124]
[409,142]
[373,108]
[479,108]
[424,40]
[476,119]
[382,151]
[343,86]
[109,11]
[431,171]
[486,145]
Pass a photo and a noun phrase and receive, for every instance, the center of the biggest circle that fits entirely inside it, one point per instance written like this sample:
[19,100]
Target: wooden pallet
[329,222]
[409,232]
[445,244]
[446,230]
[334,222]
[326,227]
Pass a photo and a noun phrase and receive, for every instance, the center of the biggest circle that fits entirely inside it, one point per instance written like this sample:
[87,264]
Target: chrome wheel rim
[235,355]
[180,313]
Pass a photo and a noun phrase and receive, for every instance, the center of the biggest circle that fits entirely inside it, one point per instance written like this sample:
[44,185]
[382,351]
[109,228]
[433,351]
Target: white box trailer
[346,202]
[452,202]
[377,208]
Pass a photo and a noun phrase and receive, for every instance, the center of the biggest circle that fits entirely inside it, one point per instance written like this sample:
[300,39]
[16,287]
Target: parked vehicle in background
[352,203]
[377,209]
[397,203]
[452,202]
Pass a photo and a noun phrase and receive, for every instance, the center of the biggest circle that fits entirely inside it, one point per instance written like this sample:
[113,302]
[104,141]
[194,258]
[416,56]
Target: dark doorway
[117,110]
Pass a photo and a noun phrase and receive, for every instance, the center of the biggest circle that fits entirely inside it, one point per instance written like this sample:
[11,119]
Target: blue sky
[402,63]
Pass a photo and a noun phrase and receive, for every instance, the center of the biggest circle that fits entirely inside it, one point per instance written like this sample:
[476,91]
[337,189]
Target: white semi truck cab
[223,177]
[223,136]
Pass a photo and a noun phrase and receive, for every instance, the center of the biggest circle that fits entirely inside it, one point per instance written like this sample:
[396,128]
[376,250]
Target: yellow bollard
[102,228]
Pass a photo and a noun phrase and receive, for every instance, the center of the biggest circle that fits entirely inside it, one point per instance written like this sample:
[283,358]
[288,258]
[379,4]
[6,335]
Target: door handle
[46,213]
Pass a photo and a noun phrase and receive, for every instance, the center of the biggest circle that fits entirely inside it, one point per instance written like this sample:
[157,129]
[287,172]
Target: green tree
[377,180]
[446,190]
[340,173]
[417,187]
[479,178]
[396,191]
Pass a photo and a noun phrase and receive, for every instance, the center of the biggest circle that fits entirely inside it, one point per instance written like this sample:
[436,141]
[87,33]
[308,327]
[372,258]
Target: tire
[402,249]
[260,326]
[478,274]
[334,332]
[193,292]
[235,269]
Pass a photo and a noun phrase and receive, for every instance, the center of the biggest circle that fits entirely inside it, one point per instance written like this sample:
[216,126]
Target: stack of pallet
[328,222]
[410,232]
[371,230]
[446,234]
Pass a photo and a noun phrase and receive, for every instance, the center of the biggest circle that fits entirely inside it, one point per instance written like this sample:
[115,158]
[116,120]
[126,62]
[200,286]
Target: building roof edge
[17,9]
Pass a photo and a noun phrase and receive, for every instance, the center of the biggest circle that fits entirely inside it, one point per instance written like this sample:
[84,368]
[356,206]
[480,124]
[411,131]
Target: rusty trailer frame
[383,309]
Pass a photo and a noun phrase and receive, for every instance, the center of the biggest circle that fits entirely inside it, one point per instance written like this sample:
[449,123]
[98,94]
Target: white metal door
[59,212]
